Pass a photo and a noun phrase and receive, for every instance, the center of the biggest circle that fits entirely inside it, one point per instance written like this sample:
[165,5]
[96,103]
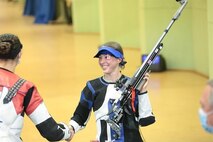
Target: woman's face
[109,64]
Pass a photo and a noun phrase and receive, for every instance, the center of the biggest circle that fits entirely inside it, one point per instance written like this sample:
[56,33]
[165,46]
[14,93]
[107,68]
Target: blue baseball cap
[109,50]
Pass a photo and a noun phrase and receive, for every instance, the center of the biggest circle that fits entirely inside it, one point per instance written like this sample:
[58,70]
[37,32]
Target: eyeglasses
[105,56]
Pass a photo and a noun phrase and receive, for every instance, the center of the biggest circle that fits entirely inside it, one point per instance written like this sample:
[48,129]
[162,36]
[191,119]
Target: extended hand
[68,131]
[72,132]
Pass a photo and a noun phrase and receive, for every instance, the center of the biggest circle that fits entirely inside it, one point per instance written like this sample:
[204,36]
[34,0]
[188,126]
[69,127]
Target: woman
[19,96]
[100,93]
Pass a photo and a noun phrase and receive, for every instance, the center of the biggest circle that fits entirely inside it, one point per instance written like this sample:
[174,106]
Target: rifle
[137,81]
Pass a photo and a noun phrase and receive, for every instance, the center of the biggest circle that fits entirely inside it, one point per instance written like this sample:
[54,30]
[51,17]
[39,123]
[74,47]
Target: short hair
[10,46]
[210,83]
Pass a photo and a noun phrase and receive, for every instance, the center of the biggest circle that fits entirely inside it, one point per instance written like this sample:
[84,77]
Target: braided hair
[10,46]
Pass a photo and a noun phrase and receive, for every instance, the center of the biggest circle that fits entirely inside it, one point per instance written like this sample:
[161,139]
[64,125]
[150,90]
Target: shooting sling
[13,90]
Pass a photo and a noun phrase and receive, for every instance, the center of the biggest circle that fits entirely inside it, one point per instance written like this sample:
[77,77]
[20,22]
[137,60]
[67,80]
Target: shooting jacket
[27,100]
[99,96]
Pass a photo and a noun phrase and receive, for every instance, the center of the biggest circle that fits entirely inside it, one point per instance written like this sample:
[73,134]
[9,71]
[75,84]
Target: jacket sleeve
[52,131]
[146,116]
[83,110]
[38,113]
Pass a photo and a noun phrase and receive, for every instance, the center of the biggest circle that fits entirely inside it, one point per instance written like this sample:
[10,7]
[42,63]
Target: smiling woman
[100,93]
[111,53]
[59,61]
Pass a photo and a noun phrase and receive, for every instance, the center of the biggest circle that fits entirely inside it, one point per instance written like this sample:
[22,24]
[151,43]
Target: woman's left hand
[144,86]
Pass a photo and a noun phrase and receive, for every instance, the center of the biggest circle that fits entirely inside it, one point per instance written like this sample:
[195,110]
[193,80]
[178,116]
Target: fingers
[65,129]
[68,131]
[72,132]
[146,81]
[147,75]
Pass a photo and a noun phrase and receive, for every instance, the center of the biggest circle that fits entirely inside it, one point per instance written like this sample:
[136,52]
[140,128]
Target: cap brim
[106,49]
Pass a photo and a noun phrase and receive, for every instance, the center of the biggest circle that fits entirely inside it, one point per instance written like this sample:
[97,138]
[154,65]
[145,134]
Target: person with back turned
[19,96]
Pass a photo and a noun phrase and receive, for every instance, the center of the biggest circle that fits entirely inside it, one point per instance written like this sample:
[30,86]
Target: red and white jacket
[27,100]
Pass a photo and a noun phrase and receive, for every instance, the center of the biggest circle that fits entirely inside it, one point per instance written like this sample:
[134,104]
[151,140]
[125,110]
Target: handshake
[68,131]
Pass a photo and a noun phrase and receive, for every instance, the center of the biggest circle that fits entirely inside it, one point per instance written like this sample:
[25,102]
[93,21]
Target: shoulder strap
[13,90]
